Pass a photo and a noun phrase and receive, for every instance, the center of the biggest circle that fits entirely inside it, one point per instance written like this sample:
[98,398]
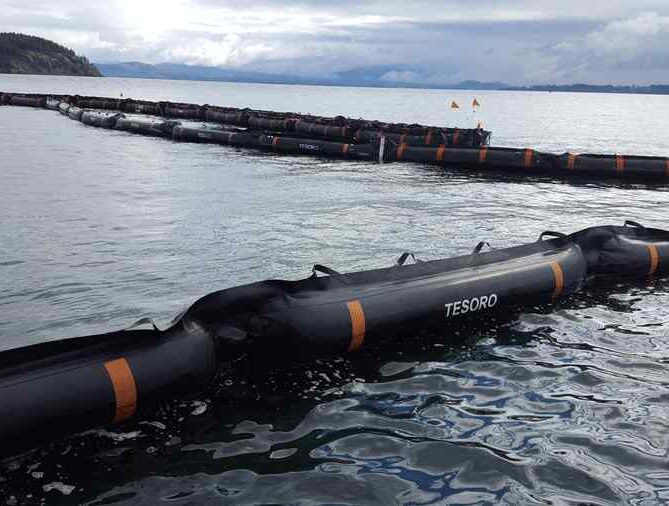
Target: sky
[514,41]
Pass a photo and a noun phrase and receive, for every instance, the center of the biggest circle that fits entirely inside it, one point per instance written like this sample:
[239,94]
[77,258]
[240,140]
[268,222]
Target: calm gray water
[567,404]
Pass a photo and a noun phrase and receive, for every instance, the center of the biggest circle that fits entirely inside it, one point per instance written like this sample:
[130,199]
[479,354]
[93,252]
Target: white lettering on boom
[464,306]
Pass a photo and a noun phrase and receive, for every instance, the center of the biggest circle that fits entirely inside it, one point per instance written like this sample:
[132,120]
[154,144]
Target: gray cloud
[518,41]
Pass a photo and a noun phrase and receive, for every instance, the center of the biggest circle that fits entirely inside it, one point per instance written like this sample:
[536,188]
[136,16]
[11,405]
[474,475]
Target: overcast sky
[516,41]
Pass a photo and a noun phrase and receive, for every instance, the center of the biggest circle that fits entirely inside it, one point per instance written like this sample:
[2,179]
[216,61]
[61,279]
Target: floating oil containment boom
[51,389]
[338,137]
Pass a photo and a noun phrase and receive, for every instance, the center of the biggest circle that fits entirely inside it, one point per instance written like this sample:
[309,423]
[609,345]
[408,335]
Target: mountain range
[25,54]
[373,76]
[381,76]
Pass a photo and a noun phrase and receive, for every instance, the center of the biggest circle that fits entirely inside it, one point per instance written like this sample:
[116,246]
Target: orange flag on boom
[454,105]
[475,103]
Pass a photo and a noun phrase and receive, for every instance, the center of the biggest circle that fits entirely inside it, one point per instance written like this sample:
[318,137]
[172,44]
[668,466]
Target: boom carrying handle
[55,388]
[328,271]
[479,247]
[554,234]
[404,257]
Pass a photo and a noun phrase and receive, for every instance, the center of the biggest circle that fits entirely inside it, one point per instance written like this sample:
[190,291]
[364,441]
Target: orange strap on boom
[620,163]
[125,389]
[400,150]
[654,259]
[558,276]
[357,315]
[528,158]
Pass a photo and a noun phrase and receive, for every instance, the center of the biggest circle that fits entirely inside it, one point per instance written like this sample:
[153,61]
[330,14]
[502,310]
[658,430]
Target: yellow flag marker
[454,105]
[475,103]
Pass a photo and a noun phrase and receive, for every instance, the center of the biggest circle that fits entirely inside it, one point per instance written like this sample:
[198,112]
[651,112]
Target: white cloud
[519,41]
[628,50]
[629,35]
[399,76]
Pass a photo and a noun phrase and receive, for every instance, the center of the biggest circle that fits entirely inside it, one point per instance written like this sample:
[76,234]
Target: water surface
[561,404]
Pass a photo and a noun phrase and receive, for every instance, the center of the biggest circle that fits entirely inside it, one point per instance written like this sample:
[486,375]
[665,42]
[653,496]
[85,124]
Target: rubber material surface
[342,137]
[55,388]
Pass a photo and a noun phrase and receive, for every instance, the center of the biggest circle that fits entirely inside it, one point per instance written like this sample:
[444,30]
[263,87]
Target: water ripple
[564,404]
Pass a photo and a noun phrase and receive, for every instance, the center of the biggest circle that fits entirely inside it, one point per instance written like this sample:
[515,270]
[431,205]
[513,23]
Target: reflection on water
[566,403]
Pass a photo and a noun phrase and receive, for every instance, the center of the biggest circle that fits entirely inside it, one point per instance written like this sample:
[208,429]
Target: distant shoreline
[368,77]
[473,86]
[27,55]
[654,89]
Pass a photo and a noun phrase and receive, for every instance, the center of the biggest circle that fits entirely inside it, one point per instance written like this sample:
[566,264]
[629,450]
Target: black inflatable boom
[51,389]
[288,124]
[338,137]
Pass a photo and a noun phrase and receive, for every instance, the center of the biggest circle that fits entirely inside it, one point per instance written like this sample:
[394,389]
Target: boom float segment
[298,125]
[337,137]
[529,161]
[51,389]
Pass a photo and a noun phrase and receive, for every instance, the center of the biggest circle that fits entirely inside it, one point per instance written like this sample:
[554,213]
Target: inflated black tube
[643,167]
[334,314]
[318,147]
[465,138]
[266,120]
[52,104]
[398,128]
[201,134]
[426,137]
[244,139]
[362,135]
[216,136]
[101,119]
[99,103]
[616,165]
[146,126]
[456,148]
[271,124]
[51,389]
[338,313]
[236,117]
[430,139]
[509,158]
[327,131]
[142,107]
[28,101]
[75,112]
[631,250]
[441,154]
[183,111]
[64,107]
